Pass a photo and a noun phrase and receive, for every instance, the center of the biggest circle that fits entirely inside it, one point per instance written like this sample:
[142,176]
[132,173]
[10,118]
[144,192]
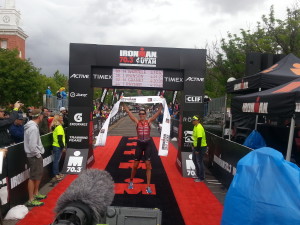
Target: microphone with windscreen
[86,200]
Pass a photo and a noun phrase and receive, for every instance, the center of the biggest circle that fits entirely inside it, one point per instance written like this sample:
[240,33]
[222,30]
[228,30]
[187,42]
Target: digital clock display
[137,78]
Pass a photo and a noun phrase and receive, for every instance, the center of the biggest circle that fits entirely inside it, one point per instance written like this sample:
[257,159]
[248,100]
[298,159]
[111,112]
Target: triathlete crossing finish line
[165,132]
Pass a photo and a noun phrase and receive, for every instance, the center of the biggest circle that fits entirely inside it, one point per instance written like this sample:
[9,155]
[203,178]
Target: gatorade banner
[165,132]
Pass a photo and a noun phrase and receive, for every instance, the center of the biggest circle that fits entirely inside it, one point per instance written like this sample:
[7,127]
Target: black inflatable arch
[100,65]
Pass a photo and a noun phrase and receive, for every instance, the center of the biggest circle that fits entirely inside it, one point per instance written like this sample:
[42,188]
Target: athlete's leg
[134,169]
[148,171]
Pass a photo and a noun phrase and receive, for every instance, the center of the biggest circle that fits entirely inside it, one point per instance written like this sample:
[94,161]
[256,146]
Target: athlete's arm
[156,114]
[130,114]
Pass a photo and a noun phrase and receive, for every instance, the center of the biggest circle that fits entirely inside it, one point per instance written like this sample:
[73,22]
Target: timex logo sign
[102,76]
[193,99]
[174,79]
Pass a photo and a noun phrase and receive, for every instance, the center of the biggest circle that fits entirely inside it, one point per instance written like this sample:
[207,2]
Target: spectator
[59,99]
[170,108]
[59,143]
[44,126]
[34,150]
[48,96]
[65,116]
[16,130]
[206,100]
[63,96]
[5,123]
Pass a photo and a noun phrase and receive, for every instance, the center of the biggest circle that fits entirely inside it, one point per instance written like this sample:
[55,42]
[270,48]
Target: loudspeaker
[253,63]
[266,61]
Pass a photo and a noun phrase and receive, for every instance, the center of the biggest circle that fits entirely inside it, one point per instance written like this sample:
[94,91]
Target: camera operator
[5,123]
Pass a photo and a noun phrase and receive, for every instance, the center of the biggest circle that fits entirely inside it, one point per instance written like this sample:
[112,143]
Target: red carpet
[196,202]
[44,215]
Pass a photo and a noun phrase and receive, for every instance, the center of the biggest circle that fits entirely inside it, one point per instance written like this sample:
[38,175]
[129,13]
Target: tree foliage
[20,80]
[227,57]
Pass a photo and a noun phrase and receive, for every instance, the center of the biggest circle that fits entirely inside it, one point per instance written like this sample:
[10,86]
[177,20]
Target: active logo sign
[193,79]
[138,58]
[78,117]
[79,76]
[193,99]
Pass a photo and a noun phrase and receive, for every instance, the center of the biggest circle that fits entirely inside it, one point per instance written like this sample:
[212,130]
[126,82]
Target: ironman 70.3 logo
[138,58]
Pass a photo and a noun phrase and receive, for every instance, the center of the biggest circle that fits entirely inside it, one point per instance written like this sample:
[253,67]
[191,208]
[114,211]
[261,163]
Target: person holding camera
[5,123]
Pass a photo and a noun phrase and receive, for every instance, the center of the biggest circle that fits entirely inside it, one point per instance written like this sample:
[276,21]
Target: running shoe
[40,197]
[198,180]
[34,203]
[148,190]
[130,185]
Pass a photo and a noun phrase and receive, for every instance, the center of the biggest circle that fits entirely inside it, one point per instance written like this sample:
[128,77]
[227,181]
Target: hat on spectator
[62,109]
[36,113]
[20,117]
[195,118]
[2,109]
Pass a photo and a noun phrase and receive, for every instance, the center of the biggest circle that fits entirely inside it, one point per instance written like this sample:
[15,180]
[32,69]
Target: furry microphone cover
[94,188]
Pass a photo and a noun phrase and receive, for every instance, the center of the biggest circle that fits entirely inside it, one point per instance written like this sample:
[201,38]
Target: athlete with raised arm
[143,127]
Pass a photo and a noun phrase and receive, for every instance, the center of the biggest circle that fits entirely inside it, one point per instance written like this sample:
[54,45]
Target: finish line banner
[165,132]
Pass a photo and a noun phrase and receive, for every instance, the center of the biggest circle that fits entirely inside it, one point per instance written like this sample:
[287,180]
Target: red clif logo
[138,58]
[255,107]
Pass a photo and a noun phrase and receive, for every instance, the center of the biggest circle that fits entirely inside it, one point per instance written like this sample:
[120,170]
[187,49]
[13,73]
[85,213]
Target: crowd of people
[60,95]
[27,126]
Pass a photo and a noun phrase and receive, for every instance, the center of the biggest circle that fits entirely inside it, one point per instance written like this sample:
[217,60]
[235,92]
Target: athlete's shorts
[143,147]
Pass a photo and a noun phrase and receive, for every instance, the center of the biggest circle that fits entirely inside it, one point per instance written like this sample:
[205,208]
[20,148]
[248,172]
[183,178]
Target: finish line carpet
[181,200]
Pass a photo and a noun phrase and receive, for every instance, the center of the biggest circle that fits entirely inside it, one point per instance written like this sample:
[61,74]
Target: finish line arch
[108,66]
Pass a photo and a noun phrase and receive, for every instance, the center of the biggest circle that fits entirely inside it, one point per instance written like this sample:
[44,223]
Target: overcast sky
[52,24]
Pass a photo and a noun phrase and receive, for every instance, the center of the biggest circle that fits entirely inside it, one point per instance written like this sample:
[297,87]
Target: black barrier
[223,156]
[107,66]
[16,173]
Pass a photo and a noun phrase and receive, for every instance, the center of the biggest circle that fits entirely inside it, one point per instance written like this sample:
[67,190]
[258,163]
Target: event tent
[285,70]
[282,101]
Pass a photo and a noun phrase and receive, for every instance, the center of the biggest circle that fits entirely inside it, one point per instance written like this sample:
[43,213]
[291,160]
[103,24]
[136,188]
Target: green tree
[227,58]
[61,80]
[19,79]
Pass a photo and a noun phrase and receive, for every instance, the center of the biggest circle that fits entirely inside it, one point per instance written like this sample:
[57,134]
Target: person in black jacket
[5,123]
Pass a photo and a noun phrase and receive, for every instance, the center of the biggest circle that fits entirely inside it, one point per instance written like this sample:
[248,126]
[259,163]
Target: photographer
[5,123]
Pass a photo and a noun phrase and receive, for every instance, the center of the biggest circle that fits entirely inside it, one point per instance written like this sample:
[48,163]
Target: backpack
[58,95]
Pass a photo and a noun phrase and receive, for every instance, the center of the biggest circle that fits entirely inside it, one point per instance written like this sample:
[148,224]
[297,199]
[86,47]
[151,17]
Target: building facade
[11,34]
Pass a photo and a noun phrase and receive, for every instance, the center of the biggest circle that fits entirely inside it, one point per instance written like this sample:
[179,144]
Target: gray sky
[52,24]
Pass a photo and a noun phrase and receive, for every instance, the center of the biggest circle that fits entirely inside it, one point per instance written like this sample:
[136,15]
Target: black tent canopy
[281,101]
[285,70]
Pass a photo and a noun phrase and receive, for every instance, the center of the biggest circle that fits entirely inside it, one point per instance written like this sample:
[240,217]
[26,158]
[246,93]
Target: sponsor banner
[16,173]
[102,77]
[255,107]
[165,132]
[79,116]
[173,80]
[223,156]
[141,58]
[192,99]
[75,161]
[188,166]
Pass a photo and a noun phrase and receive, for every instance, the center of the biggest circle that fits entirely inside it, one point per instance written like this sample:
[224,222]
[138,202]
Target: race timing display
[137,78]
